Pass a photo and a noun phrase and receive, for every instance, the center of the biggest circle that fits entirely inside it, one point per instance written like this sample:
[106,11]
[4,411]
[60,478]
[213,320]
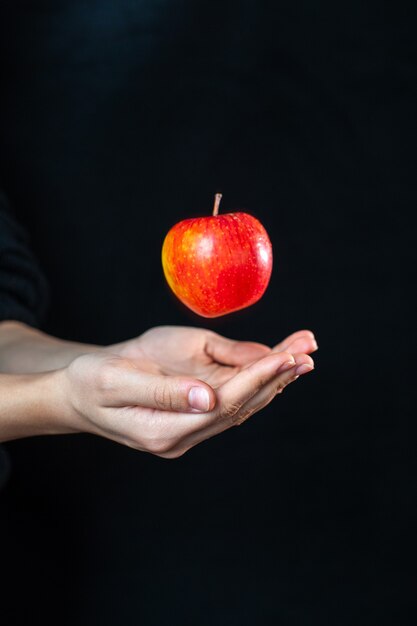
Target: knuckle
[163,398]
[230,410]
[261,382]
[283,384]
[241,417]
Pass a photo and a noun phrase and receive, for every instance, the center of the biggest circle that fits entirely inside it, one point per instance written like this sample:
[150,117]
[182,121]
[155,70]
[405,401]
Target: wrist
[34,404]
[60,417]
[27,350]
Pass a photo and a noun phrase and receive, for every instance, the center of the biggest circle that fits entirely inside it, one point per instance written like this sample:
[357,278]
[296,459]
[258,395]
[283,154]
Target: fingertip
[302,357]
[303,369]
[305,332]
[304,363]
[305,344]
[308,332]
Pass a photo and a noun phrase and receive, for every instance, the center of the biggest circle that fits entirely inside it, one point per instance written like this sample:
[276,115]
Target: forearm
[33,405]
[26,350]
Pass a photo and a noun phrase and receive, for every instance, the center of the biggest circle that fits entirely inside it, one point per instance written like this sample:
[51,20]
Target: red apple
[218,264]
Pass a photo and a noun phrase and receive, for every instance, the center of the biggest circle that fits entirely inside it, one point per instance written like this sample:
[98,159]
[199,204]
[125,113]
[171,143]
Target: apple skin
[218,264]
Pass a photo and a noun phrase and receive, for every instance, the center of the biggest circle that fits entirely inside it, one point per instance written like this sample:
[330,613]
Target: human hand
[179,350]
[112,396]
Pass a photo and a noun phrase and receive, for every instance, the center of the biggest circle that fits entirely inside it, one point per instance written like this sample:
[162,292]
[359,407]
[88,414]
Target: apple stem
[217,199]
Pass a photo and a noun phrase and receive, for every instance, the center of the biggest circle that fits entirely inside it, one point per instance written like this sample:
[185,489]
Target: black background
[119,118]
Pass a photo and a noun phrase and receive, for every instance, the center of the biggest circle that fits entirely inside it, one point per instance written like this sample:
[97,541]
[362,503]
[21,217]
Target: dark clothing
[23,288]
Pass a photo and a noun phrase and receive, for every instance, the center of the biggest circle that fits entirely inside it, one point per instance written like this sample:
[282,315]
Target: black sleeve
[23,288]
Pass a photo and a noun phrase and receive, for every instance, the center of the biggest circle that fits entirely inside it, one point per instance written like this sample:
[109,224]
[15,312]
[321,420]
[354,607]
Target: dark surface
[118,119]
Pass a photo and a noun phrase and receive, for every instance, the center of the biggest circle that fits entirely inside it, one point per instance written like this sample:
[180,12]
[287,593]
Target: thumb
[131,386]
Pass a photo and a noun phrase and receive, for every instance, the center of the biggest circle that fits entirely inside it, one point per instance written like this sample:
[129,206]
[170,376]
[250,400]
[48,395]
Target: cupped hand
[179,350]
[172,388]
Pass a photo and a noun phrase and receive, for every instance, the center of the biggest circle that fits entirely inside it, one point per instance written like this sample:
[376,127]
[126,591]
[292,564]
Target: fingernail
[199,399]
[286,366]
[303,369]
[315,345]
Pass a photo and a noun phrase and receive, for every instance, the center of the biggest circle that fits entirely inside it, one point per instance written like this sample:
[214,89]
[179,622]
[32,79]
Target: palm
[200,353]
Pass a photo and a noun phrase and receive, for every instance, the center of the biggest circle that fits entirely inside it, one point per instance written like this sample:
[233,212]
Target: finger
[234,353]
[233,394]
[301,345]
[303,341]
[129,386]
[301,365]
